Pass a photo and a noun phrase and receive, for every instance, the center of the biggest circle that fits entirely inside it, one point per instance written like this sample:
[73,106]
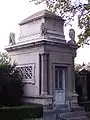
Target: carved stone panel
[27,72]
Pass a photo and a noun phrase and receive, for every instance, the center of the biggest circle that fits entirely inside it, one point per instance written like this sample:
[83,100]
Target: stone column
[44,74]
[73,75]
[74,96]
[69,91]
[69,82]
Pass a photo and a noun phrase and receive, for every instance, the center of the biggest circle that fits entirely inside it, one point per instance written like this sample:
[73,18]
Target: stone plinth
[42,26]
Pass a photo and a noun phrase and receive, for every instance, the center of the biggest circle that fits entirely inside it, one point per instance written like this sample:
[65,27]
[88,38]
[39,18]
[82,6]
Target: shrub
[21,112]
[11,89]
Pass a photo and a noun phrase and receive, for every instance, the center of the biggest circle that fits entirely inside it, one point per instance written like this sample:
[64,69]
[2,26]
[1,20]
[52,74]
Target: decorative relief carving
[12,39]
[27,72]
[55,26]
[72,36]
[43,29]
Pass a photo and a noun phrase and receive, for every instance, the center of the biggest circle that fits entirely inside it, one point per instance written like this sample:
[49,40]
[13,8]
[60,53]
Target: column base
[43,93]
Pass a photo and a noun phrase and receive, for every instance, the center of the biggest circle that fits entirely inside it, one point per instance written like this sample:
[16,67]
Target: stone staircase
[65,114]
[72,114]
[75,118]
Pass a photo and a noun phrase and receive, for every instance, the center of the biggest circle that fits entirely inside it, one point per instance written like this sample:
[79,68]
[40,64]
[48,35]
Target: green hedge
[21,112]
[86,105]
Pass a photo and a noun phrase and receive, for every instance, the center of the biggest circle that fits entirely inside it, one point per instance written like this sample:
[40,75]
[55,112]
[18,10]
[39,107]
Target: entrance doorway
[59,93]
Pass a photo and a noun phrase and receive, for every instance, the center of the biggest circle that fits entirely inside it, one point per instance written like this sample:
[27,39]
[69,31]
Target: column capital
[44,56]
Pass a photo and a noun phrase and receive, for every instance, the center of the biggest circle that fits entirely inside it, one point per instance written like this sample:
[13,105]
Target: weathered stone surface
[65,115]
[42,43]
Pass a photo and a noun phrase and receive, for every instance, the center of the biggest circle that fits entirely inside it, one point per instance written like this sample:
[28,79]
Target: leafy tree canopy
[68,10]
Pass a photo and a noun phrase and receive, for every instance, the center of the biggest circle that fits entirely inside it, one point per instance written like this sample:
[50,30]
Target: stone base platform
[61,112]
[45,100]
[65,114]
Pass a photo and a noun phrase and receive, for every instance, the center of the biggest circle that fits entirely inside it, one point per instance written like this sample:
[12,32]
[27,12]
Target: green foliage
[11,89]
[77,67]
[68,9]
[21,112]
[4,58]
[86,105]
[84,25]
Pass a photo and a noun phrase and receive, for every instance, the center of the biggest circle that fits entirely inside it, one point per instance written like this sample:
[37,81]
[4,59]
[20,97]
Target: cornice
[39,15]
[39,43]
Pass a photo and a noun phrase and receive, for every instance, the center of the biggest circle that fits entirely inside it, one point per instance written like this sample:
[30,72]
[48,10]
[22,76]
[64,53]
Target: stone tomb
[46,61]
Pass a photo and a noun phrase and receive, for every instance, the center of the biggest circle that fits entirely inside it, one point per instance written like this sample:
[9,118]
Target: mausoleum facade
[45,60]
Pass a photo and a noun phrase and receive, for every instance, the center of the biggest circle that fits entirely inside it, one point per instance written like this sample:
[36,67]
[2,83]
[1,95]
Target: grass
[21,112]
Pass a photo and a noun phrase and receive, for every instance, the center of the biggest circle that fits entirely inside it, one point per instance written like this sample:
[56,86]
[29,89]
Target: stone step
[75,118]
[66,109]
[71,114]
[63,110]
[64,113]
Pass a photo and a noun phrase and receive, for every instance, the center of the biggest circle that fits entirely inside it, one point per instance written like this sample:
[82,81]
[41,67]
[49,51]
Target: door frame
[65,65]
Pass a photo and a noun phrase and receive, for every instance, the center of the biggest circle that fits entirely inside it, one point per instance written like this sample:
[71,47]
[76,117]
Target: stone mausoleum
[46,62]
